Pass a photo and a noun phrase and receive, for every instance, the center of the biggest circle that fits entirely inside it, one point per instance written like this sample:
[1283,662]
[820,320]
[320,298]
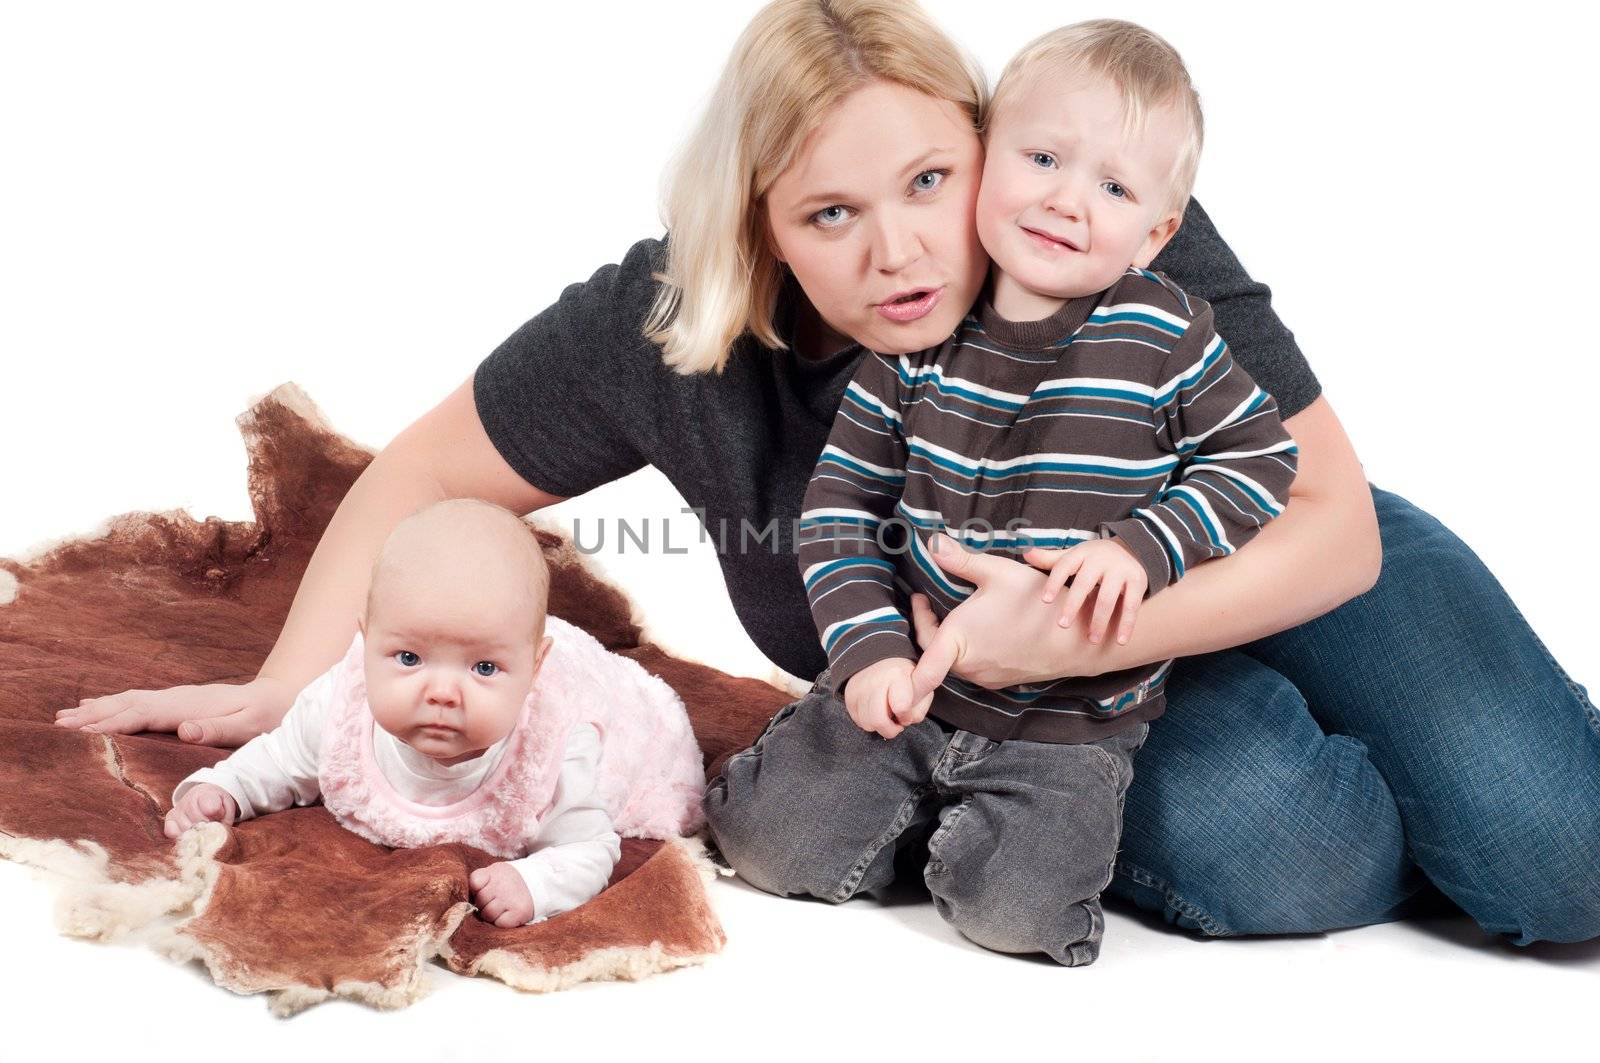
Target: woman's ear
[766,233]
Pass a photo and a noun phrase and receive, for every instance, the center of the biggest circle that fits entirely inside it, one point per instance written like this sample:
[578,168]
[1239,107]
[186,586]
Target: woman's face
[876,218]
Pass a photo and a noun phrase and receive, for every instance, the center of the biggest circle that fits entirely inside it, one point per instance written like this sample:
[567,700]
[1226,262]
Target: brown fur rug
[291,904]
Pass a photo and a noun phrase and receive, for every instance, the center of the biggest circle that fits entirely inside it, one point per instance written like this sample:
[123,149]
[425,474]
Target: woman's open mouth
[910,305]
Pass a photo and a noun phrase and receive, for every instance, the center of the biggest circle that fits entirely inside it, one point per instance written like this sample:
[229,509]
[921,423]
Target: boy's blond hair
[795,61]
[1145,69]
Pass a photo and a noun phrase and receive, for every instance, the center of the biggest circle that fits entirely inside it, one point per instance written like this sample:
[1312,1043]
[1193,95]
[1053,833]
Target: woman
[1302,782]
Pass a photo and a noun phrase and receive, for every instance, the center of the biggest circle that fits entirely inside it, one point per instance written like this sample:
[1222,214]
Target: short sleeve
[570,400]
[1202,264]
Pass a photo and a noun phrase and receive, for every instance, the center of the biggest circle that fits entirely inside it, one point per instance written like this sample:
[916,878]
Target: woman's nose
[894,245]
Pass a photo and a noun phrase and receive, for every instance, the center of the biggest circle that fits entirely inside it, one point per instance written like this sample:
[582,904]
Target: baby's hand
[1108,565]
[501,895]
[879,697]
[201,804]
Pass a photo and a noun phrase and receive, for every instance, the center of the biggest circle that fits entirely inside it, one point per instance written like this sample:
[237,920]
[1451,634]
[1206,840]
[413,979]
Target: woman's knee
[1487,743]
[1244,818]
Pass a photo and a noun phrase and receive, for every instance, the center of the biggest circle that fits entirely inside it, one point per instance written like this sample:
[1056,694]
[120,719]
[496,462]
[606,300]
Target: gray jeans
[1023,838]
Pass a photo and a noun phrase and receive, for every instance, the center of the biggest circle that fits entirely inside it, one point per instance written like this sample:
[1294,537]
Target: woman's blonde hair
[793,63]
[1145,69]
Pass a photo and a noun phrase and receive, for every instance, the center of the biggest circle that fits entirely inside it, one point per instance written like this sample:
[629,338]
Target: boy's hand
[881,699]
[1099,563]
[201,804]
[501,895]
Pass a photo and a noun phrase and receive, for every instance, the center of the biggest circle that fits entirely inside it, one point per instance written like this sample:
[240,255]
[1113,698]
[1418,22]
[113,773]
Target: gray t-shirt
[577,397]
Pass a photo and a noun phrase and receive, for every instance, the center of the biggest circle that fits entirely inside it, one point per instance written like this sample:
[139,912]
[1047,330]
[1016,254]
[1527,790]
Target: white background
[201,201]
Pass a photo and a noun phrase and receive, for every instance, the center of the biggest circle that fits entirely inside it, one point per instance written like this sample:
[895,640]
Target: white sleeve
[278,769]
[577,846]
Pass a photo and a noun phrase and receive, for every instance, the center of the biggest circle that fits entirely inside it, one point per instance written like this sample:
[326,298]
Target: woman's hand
[216,714]
[1004,634]
[445,454]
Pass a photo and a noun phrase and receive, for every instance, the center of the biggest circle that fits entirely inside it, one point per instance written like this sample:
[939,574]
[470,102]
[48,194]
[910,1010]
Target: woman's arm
[568,402]
[1322,551]
[444,454]
[1319,553]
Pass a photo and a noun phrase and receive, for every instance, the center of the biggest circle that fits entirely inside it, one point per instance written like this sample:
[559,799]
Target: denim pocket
[1118,760]
[777,718]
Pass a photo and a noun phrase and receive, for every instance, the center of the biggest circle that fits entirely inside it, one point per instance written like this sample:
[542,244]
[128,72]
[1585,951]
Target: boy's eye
[928,180]
[1042,159]
[486,668]
[407,659]
[830,217]
[1114,190]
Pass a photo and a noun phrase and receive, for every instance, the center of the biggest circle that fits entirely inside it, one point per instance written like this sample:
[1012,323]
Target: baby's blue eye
[486,668]
[407,658]
[1042,159]
[1115,190]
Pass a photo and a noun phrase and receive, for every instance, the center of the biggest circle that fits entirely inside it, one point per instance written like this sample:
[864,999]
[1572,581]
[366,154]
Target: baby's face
[448,672]
[1068,201]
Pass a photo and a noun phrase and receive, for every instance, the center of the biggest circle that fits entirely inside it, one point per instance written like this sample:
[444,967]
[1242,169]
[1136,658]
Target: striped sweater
[1122,415]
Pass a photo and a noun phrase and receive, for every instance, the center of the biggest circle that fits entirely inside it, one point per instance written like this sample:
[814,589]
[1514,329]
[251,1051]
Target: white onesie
[569,860]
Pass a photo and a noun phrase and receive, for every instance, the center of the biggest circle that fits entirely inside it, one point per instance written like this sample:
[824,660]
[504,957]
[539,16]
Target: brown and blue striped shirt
[1121,415]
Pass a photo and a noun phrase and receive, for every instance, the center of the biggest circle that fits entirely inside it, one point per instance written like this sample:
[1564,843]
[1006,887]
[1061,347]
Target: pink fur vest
[650,773]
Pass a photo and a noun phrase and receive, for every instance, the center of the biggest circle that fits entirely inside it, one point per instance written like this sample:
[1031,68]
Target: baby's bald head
[464,551]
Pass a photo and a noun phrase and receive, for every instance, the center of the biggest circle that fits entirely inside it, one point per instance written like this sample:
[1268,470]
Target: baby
[1086,416]
[426,732]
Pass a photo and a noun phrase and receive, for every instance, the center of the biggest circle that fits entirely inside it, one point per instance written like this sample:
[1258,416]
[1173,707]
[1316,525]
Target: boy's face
[448,672]
[1068,201]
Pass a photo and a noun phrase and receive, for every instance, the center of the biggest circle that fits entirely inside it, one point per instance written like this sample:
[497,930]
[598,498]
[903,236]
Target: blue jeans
[1322,777]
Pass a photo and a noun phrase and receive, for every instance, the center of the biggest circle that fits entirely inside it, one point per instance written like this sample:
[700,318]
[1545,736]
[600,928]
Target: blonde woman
[1305,781]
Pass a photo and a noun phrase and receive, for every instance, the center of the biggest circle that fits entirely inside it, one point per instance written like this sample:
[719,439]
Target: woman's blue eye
[1042,159]
[928,180]
[1114,190]
[407,658]
[829,217]
[486,668]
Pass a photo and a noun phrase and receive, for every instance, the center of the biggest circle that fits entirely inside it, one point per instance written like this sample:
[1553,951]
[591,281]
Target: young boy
[1085,407]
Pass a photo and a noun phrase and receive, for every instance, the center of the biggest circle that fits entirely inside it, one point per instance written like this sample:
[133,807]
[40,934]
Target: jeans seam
[847,887]
[1145,878]
[1109,764]
[936,865]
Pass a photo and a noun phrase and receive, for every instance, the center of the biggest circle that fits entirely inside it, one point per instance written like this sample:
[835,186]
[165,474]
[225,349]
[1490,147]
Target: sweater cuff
[881,646]
[1144,543]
